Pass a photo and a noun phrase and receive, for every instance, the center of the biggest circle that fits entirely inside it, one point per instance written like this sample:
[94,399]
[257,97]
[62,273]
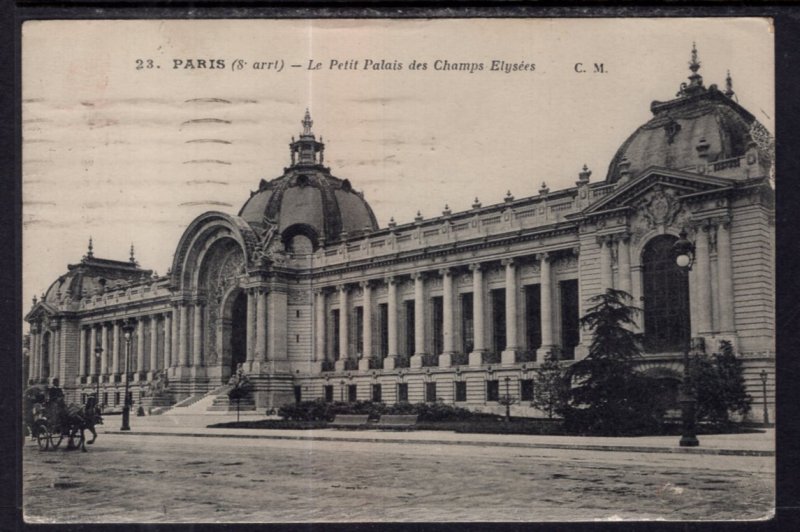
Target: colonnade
[421,326]
[102,348]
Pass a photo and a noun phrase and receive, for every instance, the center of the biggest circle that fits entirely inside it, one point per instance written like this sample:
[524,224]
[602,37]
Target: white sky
[106,148]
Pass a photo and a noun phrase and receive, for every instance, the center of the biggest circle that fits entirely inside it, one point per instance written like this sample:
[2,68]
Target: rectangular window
[498,319]
[402,392]
[105,397]
[335,335]
[526,390]
[351,392]
[570,321]
[467,327]
[438,325]
[492,390]
[376,393]
[298,394]
[533,317]
[384,319]
[83,398]
[461,391]
[409,307]
[328,388]
[116,398]
[430,392]
[360,331]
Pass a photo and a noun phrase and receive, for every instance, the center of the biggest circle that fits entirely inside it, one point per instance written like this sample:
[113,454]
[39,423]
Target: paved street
[166,478]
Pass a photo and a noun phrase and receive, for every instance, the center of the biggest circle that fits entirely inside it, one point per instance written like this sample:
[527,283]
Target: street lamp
[127,331]
[763,375]
[508,399]
[98,352]
[684,258]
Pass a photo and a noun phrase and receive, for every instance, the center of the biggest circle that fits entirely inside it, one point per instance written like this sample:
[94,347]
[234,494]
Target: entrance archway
[238,331]
[666,298]
[233,331]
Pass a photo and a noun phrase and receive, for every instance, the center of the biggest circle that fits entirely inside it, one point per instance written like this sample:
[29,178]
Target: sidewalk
[749,444]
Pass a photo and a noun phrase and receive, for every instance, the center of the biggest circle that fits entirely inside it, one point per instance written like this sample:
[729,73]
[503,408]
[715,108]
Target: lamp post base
[126,415]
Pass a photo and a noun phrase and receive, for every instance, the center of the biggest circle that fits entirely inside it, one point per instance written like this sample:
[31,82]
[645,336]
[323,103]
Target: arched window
[666,298]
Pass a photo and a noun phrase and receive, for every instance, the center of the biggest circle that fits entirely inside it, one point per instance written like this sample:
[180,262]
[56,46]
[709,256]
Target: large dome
[307,199]
[701,125]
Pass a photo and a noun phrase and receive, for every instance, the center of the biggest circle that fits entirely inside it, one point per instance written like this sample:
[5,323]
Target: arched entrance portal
[666,298]
[239,331]
[234,331]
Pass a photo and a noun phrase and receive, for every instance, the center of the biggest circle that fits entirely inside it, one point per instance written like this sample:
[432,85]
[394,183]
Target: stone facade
[312,299]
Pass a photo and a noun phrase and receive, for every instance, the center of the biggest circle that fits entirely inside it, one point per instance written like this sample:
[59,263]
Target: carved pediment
[41,312]
[660,189]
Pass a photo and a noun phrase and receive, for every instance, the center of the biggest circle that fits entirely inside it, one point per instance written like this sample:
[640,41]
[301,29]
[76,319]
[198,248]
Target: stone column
[725,280]
[153,346]
[277,329]
[81,351]
[702,288]
[419,320]
[167,340]
[319,323]
[183,328]
[391,307]
[139,350]
[176,335]
[197,335]
[261,325]
[55,364]
[344,338]
[115,348]
[476,357]
[624,264]
[509,355]
[546,310]
[39,352]
[32,356]
[445,358]
[606,277]
[104,346]
[92,346]
[366,356]
[251,325]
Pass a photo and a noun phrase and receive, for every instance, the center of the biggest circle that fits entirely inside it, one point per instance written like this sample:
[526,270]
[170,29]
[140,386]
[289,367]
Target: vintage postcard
[398,270]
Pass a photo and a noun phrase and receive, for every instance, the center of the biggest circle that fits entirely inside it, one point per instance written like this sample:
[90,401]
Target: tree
[550,391]
[608,396]
[718,381]
[241,387]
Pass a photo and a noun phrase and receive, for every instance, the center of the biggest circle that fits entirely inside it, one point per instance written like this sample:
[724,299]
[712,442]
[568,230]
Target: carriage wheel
[43,438]
[55,439]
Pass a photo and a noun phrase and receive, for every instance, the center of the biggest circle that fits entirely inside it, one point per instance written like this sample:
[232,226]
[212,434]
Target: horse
[76,420]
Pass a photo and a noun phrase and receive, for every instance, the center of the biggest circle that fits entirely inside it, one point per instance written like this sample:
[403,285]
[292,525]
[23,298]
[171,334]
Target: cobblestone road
[136,478]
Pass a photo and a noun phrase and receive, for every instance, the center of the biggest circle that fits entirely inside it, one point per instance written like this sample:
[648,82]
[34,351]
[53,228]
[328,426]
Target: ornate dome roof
[701,125]
[307,199]
[93,276]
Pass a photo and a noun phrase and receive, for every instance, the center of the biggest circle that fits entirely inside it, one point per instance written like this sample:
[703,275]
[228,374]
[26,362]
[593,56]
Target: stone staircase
[223,404]
[196,403]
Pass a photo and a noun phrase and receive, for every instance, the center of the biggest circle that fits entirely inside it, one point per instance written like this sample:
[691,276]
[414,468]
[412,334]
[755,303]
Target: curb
[567,446]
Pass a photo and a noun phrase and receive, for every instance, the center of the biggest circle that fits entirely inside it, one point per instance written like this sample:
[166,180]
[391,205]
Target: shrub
[718,383]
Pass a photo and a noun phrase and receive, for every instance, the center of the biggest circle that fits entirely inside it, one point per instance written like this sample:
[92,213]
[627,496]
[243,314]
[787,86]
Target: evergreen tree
[608,396]
[549,388]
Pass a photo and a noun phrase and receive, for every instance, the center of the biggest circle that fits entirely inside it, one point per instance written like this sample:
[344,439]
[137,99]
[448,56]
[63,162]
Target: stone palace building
[305,292]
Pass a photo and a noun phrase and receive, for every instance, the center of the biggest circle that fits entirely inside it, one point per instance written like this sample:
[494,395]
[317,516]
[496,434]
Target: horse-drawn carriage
[50,421]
